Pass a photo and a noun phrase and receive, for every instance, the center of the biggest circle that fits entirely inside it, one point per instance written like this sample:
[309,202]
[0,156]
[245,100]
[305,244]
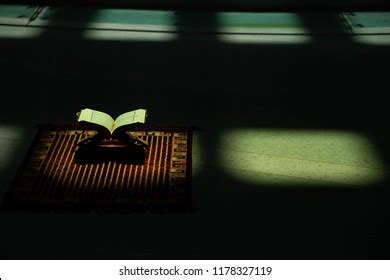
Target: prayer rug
[51,177]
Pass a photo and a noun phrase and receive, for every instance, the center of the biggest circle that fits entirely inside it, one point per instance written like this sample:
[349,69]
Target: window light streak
[128,35]
[138,25]
[9,138]
[265,39]
[197,154]
[373,31]
[262,28]
[300,157]
[263,31]
[260,20]
[134,17]
[20,32]
[13,21]
[375,40]
[111,19]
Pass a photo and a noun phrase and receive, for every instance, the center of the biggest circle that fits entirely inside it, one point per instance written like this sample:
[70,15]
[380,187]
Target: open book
[106,125]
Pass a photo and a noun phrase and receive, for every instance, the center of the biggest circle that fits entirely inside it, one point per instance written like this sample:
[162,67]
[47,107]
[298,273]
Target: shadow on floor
[332,82]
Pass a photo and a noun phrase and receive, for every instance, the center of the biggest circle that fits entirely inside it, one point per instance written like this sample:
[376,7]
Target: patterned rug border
[41,128]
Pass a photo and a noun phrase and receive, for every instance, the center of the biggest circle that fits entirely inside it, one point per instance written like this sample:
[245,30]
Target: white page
[132,117]
[97,117]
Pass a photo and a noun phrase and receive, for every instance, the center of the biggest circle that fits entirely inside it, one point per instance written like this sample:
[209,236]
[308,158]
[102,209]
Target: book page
[97,117]
[132,117]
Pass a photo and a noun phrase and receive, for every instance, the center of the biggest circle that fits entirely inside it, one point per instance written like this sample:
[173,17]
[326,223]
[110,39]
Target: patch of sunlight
[288,157]
[147,20]
[197,154]
[110,24]
[138,19]
[20,32]
[16,11]
[116,19]
[264,39]
[92,34]
[361,20]
[7,150]
[10,137]
[264,23]
[373,28]
[135,17]
[377,40]
[16,14]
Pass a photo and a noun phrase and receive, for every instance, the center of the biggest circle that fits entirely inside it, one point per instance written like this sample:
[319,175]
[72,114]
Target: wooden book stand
[127,148]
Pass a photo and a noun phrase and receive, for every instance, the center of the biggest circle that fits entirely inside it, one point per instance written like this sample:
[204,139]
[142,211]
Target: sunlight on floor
[264,39]
[197,155]
[140,25]
[262,28]
[376,40]
[288,157]
[20,32]
[10,137]
[259,20]
[261,24]
[150,17]
[128,35]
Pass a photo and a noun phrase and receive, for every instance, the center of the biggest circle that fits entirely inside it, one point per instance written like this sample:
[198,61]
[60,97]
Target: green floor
[280,157]
[290,157]
[369,19]
[260,157]
[16,11]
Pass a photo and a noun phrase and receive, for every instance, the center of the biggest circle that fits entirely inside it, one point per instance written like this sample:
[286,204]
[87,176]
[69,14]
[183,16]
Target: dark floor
[328,82]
